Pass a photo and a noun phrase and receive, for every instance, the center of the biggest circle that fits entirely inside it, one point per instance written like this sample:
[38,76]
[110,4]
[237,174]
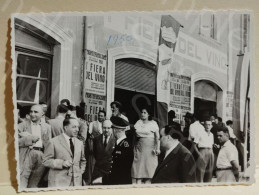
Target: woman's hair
[147,108]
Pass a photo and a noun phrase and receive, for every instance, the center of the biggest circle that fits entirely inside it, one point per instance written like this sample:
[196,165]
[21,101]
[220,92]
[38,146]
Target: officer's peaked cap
[118,122]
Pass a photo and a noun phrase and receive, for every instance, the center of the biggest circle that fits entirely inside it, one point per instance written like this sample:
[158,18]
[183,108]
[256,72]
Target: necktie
[72,146]
[105,141]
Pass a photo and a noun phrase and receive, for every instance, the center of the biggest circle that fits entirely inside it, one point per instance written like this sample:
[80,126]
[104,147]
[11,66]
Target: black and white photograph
[133,99]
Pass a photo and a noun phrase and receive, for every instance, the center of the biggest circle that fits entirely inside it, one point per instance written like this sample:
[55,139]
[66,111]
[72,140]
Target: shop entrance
[204,108]
[206,98]
[135,82]
[132,103]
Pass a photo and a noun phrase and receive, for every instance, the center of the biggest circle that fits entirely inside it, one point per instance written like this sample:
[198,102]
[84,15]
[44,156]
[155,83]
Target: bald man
[103,146]
[33,136]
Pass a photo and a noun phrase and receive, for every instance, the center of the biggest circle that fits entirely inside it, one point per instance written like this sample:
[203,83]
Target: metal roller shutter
[135,75]
[205,90]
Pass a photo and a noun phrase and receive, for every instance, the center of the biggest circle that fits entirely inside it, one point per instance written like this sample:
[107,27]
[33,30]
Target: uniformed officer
[122,155]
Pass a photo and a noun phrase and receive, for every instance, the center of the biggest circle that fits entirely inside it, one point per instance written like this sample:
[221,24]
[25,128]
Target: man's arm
[235,169]
[49,158]
[82,134]
[82,160]
[188,172]
[25,139]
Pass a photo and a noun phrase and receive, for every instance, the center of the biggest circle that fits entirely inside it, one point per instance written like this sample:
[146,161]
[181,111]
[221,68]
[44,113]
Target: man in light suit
[64,155]
[178,165]
[103,146]
[33,136]
[57,123]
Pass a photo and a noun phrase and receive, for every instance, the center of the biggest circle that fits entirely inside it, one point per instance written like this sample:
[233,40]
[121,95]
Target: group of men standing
[212,144]
[65,152]
[52,153]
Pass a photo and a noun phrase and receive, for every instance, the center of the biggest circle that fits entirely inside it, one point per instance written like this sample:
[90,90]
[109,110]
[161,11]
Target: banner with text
[180,95]
[94,84]
[201,53]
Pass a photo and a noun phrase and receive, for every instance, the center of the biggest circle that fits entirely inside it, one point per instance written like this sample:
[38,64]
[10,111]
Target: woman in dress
[146,149]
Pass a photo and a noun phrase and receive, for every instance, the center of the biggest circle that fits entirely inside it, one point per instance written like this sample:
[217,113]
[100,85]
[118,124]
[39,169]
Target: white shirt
[231,132]
[67,138]
[194,132]
[227,153]
[205,140]
[126,119]
[120,139]
[171,149]
[100,127]
[36,131]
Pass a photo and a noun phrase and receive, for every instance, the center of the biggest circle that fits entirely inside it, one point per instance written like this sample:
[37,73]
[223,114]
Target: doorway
[132,103]
[204,108]
[206,99]
[135,82]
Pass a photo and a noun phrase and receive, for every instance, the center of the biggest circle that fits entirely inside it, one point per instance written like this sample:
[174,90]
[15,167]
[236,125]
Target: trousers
[207,168]
[31,168]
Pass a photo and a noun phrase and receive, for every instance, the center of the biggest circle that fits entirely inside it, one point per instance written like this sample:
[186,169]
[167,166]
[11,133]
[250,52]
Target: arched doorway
[206,98]
[141,56]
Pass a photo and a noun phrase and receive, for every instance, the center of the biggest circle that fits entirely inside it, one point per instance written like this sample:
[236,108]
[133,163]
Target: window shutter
[135,75]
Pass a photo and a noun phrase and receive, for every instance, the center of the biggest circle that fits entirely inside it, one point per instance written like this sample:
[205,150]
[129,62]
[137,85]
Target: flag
[167,41]
[240,103]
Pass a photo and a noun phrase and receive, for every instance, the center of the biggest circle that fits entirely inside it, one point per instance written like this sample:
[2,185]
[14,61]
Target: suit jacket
[56,126]
[177,167]
[57,151]
[103,157]
[82,134]
[96,129]
[122,157]
[26,137]
[199,161]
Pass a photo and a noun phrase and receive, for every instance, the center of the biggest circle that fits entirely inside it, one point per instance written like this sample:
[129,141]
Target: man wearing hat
[65,102]
[122,156]
[188,121]
[176,126]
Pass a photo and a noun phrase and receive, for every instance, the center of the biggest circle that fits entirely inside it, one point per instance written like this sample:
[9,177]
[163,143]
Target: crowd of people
[67,151]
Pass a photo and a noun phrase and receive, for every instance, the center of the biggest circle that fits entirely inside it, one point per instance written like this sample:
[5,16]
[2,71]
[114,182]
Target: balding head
[36,113]
[107,128]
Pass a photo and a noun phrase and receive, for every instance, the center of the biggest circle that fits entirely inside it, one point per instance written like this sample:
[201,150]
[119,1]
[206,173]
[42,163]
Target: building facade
[95,59]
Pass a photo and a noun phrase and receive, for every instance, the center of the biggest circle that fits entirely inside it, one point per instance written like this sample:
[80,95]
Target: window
[33,78]
[209,26]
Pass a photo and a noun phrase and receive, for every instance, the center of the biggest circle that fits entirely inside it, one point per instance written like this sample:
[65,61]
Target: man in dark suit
[178,165]
[172,123]
[82,134]
[122,155]
[103,146]
[57,123]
